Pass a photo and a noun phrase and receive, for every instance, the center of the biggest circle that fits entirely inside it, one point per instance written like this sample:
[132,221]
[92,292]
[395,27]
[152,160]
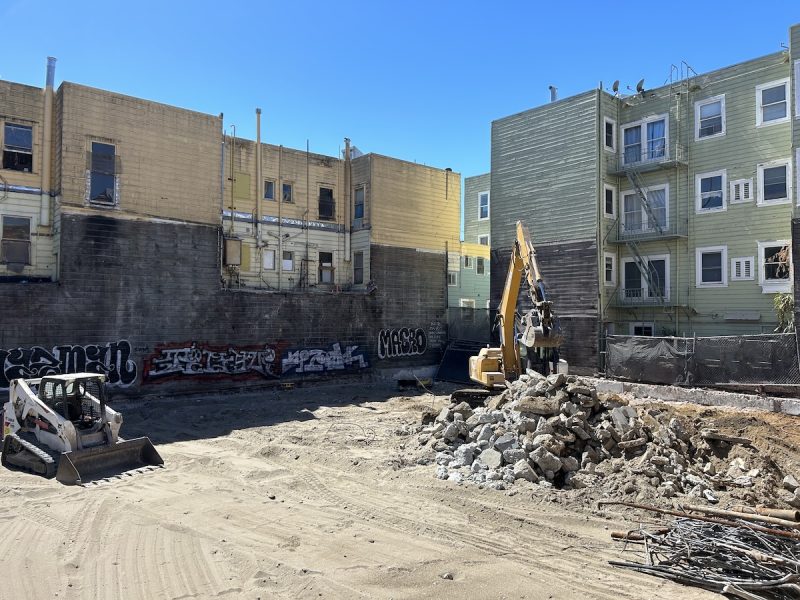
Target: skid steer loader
[60,425]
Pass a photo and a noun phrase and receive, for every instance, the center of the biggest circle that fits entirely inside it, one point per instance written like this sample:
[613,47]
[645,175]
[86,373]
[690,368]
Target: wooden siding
[414,206]
[471,285]
[544,171]
[474,227]
[168,158]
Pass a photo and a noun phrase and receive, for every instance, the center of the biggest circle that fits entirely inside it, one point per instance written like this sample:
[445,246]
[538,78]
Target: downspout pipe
[47,144]
[348,200]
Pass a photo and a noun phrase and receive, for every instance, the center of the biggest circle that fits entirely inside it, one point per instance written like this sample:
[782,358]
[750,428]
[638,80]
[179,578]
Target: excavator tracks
[27,456]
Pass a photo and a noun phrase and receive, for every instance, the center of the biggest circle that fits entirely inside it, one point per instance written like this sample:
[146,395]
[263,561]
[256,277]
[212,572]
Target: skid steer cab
[61,425]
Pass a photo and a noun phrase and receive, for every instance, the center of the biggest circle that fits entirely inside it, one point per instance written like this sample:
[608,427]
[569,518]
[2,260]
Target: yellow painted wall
[414,206]
[168,157]
[23,105]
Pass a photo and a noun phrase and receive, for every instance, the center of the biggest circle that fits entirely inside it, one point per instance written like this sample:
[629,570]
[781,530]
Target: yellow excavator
[541,332]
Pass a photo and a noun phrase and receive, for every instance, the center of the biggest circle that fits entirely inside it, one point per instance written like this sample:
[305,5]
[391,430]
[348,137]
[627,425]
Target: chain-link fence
[744,359]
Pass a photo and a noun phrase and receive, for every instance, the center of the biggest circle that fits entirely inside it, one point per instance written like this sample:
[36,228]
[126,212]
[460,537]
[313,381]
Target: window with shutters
[742,268]
[18,147]
[741,191]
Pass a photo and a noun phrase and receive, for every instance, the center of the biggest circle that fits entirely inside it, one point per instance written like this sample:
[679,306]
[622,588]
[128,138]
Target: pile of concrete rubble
[557,431]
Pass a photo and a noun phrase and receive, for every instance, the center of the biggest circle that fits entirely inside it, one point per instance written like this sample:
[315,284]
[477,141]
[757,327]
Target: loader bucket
[81,466]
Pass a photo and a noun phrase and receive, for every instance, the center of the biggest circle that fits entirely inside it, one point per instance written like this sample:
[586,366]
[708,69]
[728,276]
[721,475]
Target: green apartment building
[663,212]
[470,288]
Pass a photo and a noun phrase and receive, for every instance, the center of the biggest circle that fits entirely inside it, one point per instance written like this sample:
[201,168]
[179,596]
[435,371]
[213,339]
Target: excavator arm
[493,366]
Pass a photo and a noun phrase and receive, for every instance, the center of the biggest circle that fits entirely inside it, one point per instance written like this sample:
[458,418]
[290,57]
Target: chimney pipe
[553,93]
[51,71]
[46,184]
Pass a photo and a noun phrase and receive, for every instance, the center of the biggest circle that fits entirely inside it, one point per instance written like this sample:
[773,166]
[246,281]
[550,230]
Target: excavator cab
[80,401]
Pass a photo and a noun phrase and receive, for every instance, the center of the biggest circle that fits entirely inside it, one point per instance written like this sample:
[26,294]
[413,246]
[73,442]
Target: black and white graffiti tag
[198,360]
[402,342]
[112,359]
[317,360]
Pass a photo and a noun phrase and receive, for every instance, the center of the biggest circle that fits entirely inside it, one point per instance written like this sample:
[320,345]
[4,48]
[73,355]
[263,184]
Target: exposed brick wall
[157,284]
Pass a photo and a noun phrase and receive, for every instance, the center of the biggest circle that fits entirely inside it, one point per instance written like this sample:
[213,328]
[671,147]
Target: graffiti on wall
[198,360]
[316,360]
[112,359]
[437,334]
[406,341]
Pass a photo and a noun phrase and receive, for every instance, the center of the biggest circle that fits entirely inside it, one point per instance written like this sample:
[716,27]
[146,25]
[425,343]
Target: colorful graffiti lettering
[402,342]
[198,360]
[112,359]
[316,360]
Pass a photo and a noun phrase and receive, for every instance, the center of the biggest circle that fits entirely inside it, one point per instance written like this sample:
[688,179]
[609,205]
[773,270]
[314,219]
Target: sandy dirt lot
[308,493]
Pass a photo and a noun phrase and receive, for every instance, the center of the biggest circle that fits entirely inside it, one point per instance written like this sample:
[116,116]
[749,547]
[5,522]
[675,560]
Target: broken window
[776,263]
[358,267]
[358,203]
[326,267]
[269,190]
[18,147]
[286,191]
[480,265]
[16,241]
[288,260]
[103,174]
[326,204]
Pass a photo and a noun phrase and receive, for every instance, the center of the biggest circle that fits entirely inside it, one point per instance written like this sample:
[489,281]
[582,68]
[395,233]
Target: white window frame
[614,193]
[698,266]
[265,262]
[645,217]
[614,276]
[649,324]
[774,287]
[468,262]
[466,303]
[485,264]
[700,104]
[488,206]
[743,259]
[797,89]
[732,191]
[760,192]
[759,108]
[290,261]
[644,286]
[613,147]
[698,194]
[455,278]
[644,140]
[488,241]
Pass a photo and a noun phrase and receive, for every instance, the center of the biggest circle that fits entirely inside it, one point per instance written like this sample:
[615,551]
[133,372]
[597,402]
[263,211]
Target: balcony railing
[642,297]
[647,156]
[642,232]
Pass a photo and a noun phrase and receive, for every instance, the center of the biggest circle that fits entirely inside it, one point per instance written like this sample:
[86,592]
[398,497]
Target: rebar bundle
[731,556]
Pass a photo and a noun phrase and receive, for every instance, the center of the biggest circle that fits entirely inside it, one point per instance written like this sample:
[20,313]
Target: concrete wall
[142,301]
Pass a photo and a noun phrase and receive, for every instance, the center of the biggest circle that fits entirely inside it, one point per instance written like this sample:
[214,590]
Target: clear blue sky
[420,81]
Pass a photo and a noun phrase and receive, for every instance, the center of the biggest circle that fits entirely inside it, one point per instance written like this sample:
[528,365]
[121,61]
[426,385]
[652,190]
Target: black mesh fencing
[470,324]
[747,359]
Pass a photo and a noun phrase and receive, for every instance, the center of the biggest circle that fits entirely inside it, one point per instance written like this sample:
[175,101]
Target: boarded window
[358,267]
[103,174]
[326,204]
[18,147]
[269,259]
[16,241]
[326,267]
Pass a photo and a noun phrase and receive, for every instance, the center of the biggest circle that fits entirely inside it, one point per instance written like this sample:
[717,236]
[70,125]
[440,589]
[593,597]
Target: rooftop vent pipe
[51,71]
[553,93]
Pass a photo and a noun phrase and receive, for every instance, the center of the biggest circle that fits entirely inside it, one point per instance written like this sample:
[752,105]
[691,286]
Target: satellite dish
[640,86]
[615,86]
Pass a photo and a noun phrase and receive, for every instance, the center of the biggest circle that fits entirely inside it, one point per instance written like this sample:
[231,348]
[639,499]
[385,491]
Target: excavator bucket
[82,466]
